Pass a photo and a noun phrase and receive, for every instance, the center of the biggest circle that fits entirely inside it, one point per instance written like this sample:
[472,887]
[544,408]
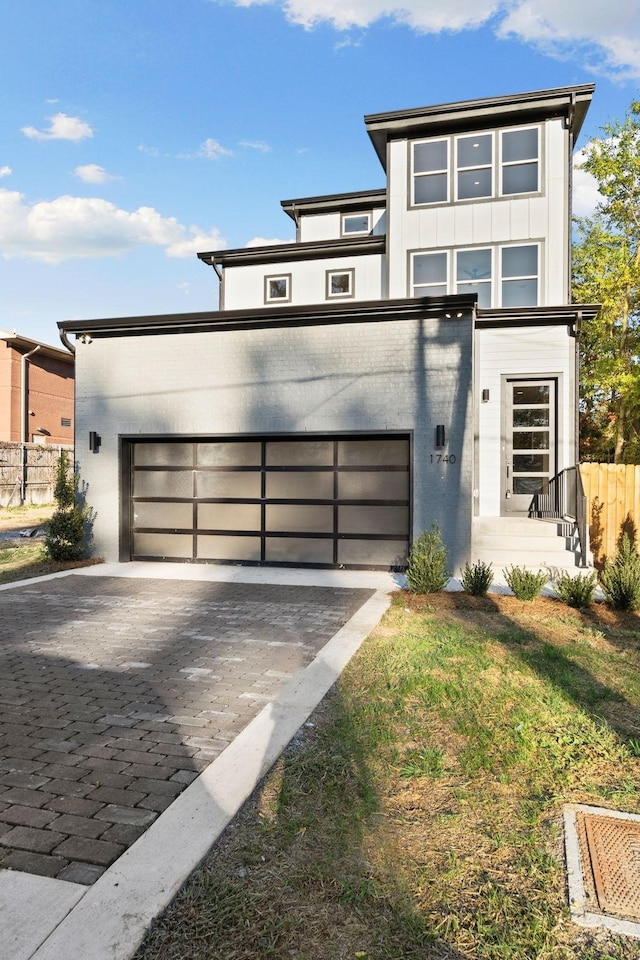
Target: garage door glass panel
[359,485]
[298,550]
[163,515]
[177,546]
[303,453]
[294,518]
[370,453]
[379,553]
[226,484]
[163,483]
[163,454]
[381,520]
[299,486]
[228,548]
[241,454]
[229,516]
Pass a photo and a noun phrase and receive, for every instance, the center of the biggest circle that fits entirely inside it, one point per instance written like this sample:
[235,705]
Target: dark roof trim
[453,307]
[569,102]
[285,252]
[344,202]
[571,315]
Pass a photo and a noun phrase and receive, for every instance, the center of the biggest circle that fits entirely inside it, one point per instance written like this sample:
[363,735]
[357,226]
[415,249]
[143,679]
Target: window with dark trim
[340,284]
[471,163]
[356,223]
[503,276]
[277,289]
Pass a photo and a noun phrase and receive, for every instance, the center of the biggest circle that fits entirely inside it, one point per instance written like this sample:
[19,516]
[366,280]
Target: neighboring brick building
[36,391]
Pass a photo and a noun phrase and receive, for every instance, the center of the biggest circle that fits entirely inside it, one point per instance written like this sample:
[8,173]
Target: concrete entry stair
[545,544]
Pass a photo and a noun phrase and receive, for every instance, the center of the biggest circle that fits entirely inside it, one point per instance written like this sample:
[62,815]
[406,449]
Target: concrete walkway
[164,692]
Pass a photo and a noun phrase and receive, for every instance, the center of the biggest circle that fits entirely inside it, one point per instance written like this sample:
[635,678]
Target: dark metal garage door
[321,502]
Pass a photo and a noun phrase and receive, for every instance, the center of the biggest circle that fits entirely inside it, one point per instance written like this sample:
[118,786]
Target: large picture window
[500,276]
[498,163]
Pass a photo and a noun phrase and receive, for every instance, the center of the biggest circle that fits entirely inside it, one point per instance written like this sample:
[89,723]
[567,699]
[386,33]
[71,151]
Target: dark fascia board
[569,102]
[457,306]
[26,345]
[285,252]
[571,315]
[344,202]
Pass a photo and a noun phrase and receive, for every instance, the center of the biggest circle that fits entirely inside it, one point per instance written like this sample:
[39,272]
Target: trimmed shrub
[577,590]
[620,579]
[476,578]
[65,537]
[427,564]
[525,584]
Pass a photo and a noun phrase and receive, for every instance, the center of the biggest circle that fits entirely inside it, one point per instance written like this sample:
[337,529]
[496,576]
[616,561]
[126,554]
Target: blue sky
[134,134]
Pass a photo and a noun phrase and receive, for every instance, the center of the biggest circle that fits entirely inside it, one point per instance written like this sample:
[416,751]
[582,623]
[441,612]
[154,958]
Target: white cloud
[263,242]
[61,127]
[605,36]
[212,150]
[585,189]
[93,173]
[5,171]
[89,227]
[256,145]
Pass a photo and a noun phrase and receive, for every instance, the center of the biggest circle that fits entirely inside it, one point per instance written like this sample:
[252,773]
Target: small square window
[356,223]
[277,289]
[340,284]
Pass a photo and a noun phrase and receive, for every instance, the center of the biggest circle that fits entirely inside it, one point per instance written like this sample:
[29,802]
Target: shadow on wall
[600,534]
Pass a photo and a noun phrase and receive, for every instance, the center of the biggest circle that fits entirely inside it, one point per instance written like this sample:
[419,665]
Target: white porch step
[521,541]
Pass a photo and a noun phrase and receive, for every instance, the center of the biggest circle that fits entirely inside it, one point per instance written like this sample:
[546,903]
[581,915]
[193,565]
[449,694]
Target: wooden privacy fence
[613,505]
[28,472]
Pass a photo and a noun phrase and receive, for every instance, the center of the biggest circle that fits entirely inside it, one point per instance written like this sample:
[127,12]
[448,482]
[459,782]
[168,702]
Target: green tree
[65,538]
[606,270]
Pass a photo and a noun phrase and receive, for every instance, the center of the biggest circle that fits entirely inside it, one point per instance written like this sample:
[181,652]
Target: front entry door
[529,442]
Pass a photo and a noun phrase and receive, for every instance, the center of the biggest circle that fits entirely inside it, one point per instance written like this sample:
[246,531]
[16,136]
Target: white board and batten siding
[328,226]
[519,352]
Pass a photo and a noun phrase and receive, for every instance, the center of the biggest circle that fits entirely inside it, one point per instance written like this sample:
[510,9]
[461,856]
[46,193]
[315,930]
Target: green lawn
[418,815]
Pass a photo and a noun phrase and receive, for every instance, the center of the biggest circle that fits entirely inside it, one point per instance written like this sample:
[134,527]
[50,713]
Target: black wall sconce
[94,441]
[440,437]
[485,396]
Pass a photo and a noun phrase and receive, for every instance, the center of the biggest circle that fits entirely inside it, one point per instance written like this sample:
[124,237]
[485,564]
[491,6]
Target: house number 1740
[443,458]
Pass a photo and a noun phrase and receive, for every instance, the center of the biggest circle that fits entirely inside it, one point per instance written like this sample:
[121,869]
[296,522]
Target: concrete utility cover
[603,864]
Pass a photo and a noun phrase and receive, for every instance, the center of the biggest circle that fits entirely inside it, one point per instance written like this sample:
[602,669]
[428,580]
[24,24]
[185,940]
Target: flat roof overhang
[284,252]
[337,202]
[571,103]
[453,307]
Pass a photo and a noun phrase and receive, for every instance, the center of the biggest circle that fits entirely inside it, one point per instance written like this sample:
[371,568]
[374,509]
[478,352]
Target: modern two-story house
[410,358]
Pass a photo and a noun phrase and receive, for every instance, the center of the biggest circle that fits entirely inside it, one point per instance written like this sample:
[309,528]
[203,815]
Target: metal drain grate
[612,848]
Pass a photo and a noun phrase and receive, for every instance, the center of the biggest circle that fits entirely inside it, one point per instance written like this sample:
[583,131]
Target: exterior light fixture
[485,396]
[94,441]
[440,436]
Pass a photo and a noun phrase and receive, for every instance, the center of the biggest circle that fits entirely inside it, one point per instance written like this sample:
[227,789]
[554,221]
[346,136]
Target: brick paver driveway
[115,693]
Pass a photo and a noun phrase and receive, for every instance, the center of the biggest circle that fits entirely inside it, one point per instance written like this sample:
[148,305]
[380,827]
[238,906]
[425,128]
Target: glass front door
[529,441]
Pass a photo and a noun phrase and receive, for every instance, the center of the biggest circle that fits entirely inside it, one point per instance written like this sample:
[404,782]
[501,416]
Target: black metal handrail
[565,500]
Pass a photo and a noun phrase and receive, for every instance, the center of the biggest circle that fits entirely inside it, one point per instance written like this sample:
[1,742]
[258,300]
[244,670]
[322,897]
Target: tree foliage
[606,270]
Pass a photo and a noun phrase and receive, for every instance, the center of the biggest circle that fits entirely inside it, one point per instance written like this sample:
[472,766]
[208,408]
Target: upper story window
[474,167]
[431,171]
[356,223]
[520,161]
[340,284]
[277,289]
[500,276]
[498,163]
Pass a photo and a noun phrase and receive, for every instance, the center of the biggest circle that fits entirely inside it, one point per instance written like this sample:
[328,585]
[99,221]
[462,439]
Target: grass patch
[418,814]
[29,559]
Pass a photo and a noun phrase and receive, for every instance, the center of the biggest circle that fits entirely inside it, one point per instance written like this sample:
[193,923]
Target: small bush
[476,578]
[576,591]
[66,530]
[525,584]
[427,564]
[620,579]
